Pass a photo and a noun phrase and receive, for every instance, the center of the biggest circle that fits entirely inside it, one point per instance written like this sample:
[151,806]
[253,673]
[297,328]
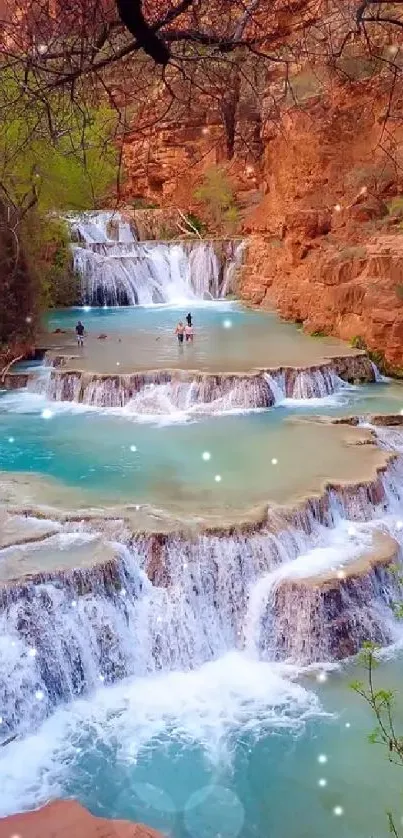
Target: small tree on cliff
[217,195]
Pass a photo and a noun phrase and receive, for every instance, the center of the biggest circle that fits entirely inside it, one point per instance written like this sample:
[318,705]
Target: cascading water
[175,603]
[115,269]
[166,393]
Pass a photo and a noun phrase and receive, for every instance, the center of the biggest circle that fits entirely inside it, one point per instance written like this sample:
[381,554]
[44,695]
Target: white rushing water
[119,660]
[182,396]
[115,269]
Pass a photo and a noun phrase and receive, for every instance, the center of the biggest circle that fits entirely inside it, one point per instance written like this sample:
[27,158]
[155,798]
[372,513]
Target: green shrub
[194,221]
[217,194]
[395,206]
[357,342]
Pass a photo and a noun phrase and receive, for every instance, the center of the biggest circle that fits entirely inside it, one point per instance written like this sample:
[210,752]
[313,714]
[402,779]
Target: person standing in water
[180,332]
[80,333]
[189,319]
[189,333]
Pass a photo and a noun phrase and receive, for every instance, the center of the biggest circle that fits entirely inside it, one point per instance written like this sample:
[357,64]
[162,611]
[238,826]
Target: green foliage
[217,195]
[194,221]
[318,334]
[357,342]
[46,244]
[66,162]
[395,206]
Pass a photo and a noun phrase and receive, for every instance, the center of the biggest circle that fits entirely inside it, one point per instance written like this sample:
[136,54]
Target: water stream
[192,676]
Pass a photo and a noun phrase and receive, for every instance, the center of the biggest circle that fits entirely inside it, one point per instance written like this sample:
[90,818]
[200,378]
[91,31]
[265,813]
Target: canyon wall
[326,244]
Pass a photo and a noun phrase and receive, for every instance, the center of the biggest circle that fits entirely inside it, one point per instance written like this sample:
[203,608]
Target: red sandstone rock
[67,819]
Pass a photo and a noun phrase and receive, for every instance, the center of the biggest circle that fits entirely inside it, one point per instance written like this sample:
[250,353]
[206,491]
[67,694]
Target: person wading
[189,319]
[180,332]
[80,333]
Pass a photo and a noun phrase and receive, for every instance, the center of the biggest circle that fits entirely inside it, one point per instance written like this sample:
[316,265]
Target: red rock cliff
[67,819]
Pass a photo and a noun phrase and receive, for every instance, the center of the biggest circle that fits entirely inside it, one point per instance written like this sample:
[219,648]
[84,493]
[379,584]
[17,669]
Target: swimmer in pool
[180,332]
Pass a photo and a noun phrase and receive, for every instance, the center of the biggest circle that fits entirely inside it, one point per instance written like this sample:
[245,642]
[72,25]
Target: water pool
[227,338]
[235,746]
[230,463]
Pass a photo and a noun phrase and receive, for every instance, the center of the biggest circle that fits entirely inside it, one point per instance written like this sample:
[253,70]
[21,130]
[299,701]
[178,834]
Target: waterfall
[174,602]
[166,392]
[378,377]
[115,269]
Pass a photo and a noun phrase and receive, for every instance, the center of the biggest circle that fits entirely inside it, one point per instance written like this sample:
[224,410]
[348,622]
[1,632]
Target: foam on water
[204,707]
[116,269]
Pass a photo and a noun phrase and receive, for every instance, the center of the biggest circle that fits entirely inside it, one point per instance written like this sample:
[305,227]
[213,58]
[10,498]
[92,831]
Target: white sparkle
[1,720]
[32,652]
[73,603]
[322,758]
[338,208]
[137,507]
[218,478]
[363,190]
[205,130]
[39,695]
[11,439]
[133,448]
[227,324]
[399,525]
[338,811]
[321,677]
[274,461]
[118,363]
[401,412]
[159,619]
[322,782]
[13,642]
[123,592]
[185,564]
[47,414]
[15,836]
[28,319]
[87,308]
[250,170]
[341,574]
[105,308]
[206,456]
[348,724]
[102,678]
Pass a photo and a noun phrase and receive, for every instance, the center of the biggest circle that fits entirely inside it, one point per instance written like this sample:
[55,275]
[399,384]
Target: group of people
[185,332]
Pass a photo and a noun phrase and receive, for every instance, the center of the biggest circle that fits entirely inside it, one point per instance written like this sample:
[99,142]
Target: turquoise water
[94,450]
[232,749]
[237,747]
[226,337]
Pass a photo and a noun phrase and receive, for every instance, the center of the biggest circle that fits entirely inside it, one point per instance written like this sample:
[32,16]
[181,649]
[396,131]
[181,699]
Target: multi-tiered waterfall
[116,269]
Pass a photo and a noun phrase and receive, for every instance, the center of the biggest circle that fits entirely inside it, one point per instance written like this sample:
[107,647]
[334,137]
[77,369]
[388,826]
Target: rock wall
[326,245]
